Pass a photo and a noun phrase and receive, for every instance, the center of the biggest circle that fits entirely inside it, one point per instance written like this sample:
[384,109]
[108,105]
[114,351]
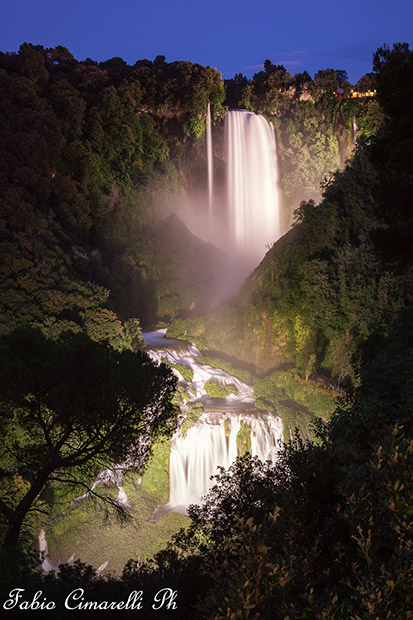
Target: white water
[354,128]
[46,564]
[212,440]
[252,177]
[178,352]
[210,162]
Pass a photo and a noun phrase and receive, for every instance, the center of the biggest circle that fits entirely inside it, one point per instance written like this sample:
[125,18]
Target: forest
[98,164]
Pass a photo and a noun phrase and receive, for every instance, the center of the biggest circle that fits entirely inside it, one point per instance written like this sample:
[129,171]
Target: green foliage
[195,410]
[392,155]
[185,371]
[296,401]
[216,362]
[326,531]
[70,408]
[192,329]
[288,385]
[244,439]
[181,396]
[155,481]
[215,389]
[309,151]
[87,173]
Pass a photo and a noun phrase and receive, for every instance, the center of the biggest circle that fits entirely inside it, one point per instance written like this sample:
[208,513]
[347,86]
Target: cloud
[250,67]
[260,67]
[293,53]
[288,62]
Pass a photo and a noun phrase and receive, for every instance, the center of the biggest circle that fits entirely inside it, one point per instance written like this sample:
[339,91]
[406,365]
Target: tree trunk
[16,517]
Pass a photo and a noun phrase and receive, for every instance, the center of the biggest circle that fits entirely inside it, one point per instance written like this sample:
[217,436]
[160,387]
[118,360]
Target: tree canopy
[70,408]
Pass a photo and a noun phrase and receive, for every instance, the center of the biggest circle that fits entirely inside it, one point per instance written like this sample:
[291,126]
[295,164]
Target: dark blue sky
[231,36]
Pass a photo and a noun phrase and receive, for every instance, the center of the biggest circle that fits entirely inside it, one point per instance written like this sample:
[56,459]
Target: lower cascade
[215,441]
[227,427]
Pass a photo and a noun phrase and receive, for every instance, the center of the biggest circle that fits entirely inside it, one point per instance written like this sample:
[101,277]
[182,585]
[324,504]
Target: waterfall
[354,129]
[213,440]
[252,176]
[210,162]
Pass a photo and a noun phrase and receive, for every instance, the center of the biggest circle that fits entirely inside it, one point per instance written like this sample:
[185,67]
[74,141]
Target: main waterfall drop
[252,182]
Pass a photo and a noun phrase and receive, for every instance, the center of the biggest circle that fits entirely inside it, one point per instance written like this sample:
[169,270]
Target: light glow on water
[252,182]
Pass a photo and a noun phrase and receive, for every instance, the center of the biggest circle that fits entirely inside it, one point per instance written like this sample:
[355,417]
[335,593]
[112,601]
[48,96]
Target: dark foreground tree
[70,408]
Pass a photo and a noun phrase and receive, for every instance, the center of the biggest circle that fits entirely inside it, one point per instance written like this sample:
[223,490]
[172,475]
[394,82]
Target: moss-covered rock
[216,362]
[288,385]
[185,371]
[230,388]
[244,439]
[195,410]
[214,389]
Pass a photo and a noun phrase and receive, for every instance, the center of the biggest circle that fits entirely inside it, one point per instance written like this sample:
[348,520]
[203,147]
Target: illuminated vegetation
[91,154]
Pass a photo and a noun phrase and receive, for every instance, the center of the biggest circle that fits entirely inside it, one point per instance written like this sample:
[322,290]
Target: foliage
[185,371]
[326,531]
[194,412]
[392,154]
[181,396]
[216,362]
[215,389]
[70,408]
[287,385]
[218,390]
[89,162]
[296,401]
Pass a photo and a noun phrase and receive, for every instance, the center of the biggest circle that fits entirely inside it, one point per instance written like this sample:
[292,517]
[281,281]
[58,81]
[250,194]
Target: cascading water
[210,162]
[252,176]
[213,440]
[354,130]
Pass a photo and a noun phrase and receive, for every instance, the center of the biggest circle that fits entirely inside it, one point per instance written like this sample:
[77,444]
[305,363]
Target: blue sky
[231,36]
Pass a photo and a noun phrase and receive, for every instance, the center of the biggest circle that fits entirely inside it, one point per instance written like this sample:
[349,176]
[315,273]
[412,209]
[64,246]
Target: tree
[68,409]
[367,82]
[326,82]
[393,154]
[269,67]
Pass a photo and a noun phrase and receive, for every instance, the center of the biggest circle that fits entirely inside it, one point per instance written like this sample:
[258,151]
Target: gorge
[95,159]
